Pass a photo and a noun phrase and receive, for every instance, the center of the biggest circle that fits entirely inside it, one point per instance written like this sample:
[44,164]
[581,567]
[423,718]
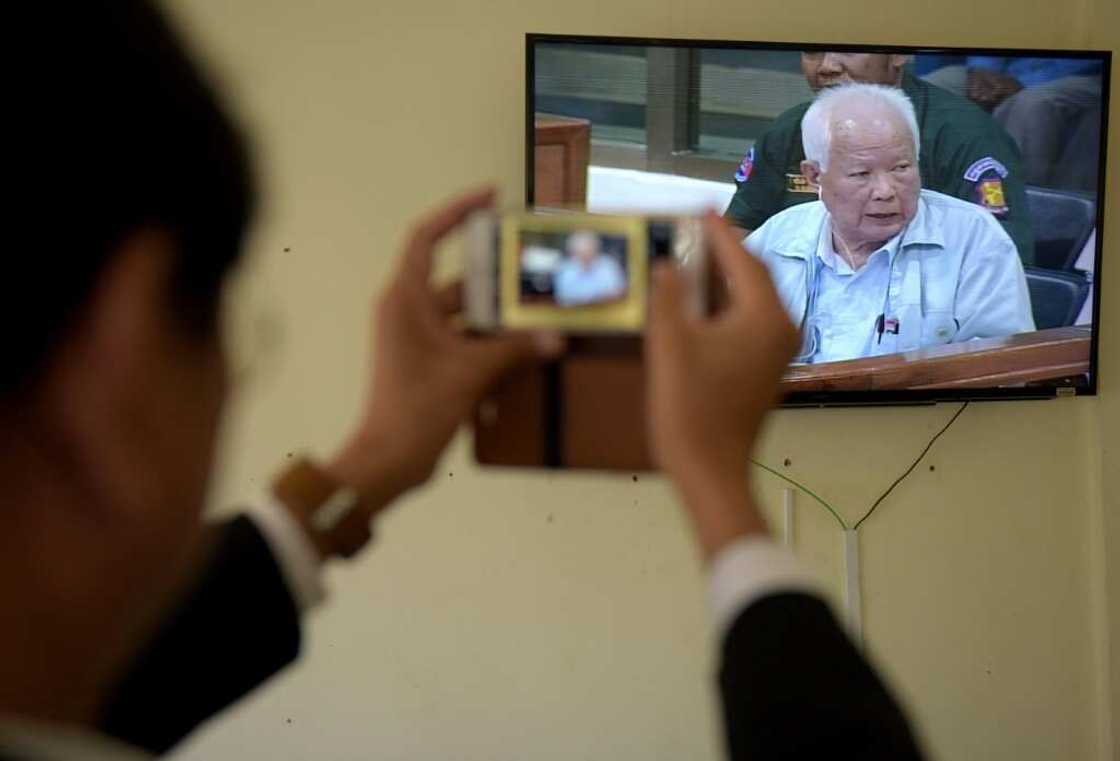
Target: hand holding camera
[711,381]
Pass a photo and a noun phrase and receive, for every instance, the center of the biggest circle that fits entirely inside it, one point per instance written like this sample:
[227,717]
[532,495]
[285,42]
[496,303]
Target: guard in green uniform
[964,153]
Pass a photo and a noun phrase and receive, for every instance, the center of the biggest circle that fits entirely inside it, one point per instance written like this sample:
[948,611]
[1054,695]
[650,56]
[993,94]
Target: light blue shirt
[849,301]
[576,284]
[951,275]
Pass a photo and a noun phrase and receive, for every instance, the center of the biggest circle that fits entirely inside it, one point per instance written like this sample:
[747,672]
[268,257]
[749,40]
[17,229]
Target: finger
[416,264]
[449,298]
[496,355]
[748,280]
[667,313]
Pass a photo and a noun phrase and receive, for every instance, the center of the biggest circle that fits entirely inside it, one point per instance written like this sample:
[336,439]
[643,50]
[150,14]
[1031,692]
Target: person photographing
[130,620]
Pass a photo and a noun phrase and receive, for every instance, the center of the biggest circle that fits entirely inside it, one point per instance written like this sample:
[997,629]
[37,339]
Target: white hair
[816,125]
[583,238]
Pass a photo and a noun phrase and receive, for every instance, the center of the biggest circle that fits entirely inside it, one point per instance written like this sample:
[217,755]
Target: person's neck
[67,602]
[856,253]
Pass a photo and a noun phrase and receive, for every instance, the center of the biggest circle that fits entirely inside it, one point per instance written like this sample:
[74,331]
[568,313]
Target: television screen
[930,217]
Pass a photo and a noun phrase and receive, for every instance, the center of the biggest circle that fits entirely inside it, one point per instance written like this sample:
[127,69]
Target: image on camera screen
[572,269]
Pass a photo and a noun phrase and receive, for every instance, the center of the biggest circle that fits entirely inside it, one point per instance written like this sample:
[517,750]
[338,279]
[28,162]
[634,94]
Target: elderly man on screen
[965,153]
[588,275]
[878,265]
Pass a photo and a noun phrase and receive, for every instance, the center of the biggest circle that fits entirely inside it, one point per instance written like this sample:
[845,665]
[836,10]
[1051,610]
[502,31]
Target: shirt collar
[923,229]
[828,255]
[807,240]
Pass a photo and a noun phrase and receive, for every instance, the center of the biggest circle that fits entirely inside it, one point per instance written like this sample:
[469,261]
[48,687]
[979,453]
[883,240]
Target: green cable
[805,489]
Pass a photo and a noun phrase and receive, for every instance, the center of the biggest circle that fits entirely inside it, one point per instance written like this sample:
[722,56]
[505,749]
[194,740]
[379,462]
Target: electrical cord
[832,511]
[910,470]
[805,489]
[852,604]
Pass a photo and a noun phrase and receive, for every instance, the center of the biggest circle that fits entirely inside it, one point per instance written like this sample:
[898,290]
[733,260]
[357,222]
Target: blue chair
[1061,222]
[1056,297]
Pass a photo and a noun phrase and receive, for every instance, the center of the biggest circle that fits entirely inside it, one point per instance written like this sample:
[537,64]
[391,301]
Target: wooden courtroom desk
[600,418]
[984,363]
[561,155]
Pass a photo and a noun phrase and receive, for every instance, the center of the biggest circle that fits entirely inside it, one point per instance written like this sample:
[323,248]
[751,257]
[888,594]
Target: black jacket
[792,683]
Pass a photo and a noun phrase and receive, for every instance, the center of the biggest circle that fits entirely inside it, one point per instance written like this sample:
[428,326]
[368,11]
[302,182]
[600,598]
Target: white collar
[831,258]
[804,241]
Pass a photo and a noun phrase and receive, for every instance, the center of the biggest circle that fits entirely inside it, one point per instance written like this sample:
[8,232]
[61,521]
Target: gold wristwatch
[334,515]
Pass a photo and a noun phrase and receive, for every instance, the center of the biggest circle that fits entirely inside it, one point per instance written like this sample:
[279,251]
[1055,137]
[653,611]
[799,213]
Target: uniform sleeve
[759,195]
[987,170]
[992,295]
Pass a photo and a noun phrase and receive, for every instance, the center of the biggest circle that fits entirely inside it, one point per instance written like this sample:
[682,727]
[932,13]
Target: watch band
[332,514]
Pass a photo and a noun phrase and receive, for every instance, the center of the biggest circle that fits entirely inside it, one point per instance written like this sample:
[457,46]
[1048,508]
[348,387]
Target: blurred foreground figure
[127,623]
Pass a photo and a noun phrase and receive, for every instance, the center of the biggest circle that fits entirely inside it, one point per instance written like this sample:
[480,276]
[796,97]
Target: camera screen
[572,269]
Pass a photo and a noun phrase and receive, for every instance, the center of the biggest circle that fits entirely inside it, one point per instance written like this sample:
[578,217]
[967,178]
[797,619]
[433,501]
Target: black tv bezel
[874,397]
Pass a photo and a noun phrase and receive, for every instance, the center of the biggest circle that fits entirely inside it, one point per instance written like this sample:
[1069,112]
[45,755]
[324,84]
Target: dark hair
[124,134]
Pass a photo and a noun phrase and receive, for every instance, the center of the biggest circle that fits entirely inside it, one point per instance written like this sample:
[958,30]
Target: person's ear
[94,391]
[811,171]
[127,314]
[116,339]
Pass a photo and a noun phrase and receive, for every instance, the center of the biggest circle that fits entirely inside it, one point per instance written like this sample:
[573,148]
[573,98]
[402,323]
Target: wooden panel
[984,363]
[509,423]
[573,138]
[604,413]
[548,187]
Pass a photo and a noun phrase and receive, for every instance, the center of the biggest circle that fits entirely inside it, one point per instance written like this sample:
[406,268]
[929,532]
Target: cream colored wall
[1104,32]
[559,616]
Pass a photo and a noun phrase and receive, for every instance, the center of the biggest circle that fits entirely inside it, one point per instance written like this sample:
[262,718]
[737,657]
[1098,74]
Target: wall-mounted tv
[951,254]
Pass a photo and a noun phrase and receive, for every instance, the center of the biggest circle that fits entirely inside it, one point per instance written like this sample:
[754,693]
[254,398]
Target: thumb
[494,356]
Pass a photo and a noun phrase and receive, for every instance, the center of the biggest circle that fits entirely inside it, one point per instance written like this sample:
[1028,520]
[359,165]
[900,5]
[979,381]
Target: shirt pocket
[938,327]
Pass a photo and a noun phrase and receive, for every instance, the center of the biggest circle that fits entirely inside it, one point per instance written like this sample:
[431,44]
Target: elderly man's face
[585,248]
[827,69]
[872,183]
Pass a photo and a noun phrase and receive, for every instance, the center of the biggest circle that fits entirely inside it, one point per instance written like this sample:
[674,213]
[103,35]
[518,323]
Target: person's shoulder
[952,208]
[950,204]
[791,117]
[612,266]
[947,104]
[789,121]
[954,215]
[789,226]
[797,214]
[786,127]
[957,120]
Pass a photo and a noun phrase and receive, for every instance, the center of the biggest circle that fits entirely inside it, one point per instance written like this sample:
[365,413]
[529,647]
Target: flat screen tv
[955,255]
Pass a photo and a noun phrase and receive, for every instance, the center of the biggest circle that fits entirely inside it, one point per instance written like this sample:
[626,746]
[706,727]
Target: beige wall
[1104,32]
[560,616]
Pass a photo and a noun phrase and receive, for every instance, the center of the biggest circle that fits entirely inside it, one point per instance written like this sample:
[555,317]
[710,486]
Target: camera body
[576,273]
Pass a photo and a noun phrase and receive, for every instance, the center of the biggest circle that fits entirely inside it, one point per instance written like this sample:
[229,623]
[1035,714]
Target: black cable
[911,468]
